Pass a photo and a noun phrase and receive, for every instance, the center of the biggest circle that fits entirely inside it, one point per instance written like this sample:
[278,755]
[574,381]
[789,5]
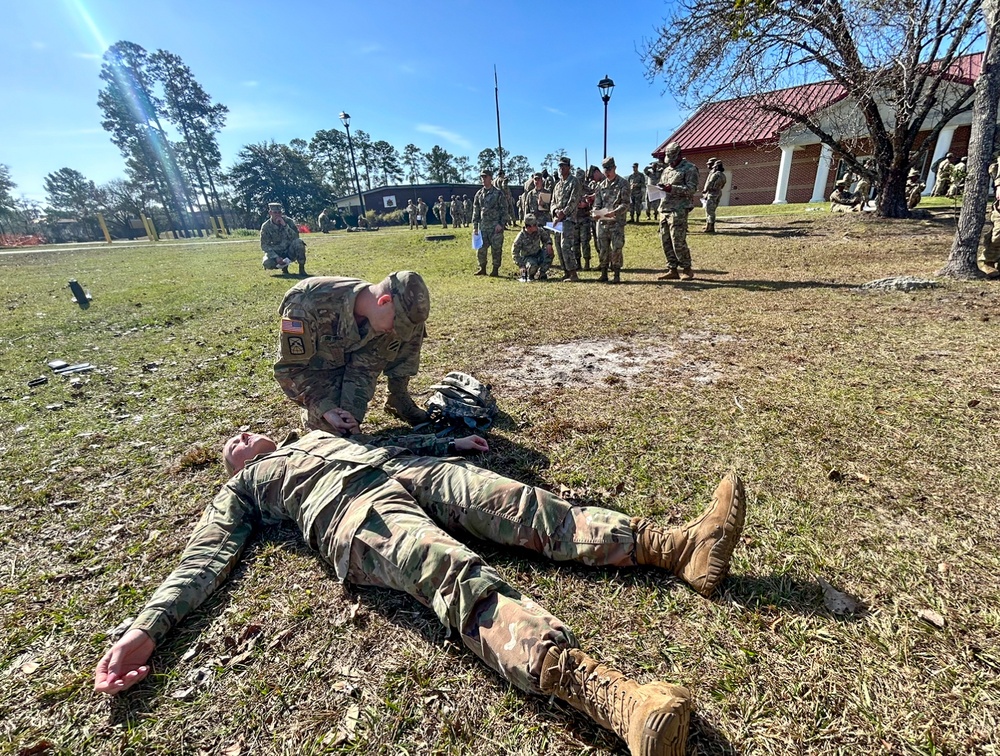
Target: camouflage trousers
[537,264]
[610,243]
[413,221]
[296,252]
[711,205]
[581,250]
[653,207]
[568,245]
[402,544]
[492,240]
[991,237]
[673,237]
[635,205]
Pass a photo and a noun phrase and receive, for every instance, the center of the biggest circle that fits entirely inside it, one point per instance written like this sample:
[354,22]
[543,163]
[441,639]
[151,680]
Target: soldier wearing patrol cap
[566,198]
[843,200]
[712,192]
[613,194]
[679,181]
[637,193]
[538,199]
[532,250]
[280,242]
[338,334]
[489,217]
[441,210]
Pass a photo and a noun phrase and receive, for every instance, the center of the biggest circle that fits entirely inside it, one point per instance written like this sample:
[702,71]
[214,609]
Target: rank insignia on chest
[288,325]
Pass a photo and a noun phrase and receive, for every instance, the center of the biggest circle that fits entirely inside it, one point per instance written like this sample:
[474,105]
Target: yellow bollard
[104,227]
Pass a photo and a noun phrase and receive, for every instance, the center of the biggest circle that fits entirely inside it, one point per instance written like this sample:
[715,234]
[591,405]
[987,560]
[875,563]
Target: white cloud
[448,136]
[250,83]
[87,56]
[554,110]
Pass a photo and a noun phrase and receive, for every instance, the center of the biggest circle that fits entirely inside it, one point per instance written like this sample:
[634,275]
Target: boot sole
[722,550]
[665,730]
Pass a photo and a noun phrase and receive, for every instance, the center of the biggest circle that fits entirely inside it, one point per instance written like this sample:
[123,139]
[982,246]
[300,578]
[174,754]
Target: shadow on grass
[700,284]
[781,593]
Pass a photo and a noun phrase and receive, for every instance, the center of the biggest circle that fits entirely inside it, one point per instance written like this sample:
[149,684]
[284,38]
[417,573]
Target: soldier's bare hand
[342,421]
[125,664]
[472,444]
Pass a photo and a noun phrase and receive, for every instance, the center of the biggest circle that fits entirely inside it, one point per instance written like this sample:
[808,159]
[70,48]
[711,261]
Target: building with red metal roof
[768,158]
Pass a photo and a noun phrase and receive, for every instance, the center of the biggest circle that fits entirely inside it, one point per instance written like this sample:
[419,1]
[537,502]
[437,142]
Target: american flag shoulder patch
[288,325]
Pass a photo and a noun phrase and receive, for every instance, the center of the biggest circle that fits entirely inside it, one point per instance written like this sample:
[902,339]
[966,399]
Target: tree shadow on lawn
[701,284]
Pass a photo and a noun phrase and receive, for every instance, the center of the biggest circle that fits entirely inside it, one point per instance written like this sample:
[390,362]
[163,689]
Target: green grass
[864,424]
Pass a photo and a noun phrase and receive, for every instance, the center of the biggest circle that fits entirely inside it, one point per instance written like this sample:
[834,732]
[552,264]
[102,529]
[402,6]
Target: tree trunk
[891,200]
[962,260]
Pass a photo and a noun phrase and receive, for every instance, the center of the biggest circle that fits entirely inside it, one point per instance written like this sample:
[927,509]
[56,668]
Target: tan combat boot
[652,719]
[480,272]
[618,277]
[687,274]
[570,277]
[604,275]
[670,275]
[495,273]
[401,405]
[302,269]
[698,552]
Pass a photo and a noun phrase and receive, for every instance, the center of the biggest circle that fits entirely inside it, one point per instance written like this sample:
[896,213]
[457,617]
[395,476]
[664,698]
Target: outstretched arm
[211,554]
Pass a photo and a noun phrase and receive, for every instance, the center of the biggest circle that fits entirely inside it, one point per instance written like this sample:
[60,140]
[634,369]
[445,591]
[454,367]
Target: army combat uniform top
[327,360]
[281,242]
[368,512]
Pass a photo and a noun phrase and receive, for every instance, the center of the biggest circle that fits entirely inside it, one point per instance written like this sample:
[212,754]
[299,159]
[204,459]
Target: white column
[784,171]
[822,174]
[940,150]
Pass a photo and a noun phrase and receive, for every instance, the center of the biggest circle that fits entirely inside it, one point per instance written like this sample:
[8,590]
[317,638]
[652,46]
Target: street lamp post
[607,87]
[346,119]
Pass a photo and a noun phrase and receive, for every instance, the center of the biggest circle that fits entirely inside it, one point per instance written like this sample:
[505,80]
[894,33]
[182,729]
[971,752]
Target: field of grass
[865,425]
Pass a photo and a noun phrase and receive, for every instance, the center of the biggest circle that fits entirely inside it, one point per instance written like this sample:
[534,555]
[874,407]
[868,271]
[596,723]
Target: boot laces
[657,543]
[605,696]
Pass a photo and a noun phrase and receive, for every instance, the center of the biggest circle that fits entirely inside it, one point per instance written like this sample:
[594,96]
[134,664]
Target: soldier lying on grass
[378,515]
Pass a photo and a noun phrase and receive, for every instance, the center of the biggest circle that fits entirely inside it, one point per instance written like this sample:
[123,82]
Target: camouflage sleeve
[517,249]
[477,209]
[622,201]
[211,553]
[420,444]
[407,360]
[270,243]
[505,206]
[576,194]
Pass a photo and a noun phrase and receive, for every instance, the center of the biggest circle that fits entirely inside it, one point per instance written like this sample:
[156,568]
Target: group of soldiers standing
[459,205]
[563,216]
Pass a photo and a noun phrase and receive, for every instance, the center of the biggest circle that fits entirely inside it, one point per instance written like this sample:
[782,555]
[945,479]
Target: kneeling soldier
[533,250]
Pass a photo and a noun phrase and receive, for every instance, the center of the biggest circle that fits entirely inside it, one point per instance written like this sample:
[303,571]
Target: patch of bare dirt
[611,361]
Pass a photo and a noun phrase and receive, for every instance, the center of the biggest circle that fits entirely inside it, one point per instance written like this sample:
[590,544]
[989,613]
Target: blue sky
[287,69]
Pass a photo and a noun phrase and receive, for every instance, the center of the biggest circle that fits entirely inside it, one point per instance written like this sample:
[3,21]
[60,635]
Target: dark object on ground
[439,237]
[82,298]
[39,380]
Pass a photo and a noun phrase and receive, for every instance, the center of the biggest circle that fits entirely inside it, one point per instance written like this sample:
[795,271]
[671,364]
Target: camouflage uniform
[652,173]
[422,212]
[612,194]
[991,229]
[958,174]
[712,193]
[637,193]
[504,187]
[674,210]
[535,205]
[441,210]
[843,200]
[489,210]
[327,360]
[533,251]
[457,219]
[566,196]
[279,242]
[411,214]
[378,516]
[943,178]
[584,223]
[914,189]
[325,223]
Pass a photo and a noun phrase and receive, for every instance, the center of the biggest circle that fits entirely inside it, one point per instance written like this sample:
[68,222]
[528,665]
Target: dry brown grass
[865,425]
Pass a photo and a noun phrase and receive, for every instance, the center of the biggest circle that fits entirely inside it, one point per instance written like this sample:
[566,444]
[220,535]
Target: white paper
[654,193]
[602,213]
[477,240]
[557,228]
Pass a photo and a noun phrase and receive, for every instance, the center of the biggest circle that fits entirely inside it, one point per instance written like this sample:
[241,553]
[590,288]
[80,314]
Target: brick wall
[754,170]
